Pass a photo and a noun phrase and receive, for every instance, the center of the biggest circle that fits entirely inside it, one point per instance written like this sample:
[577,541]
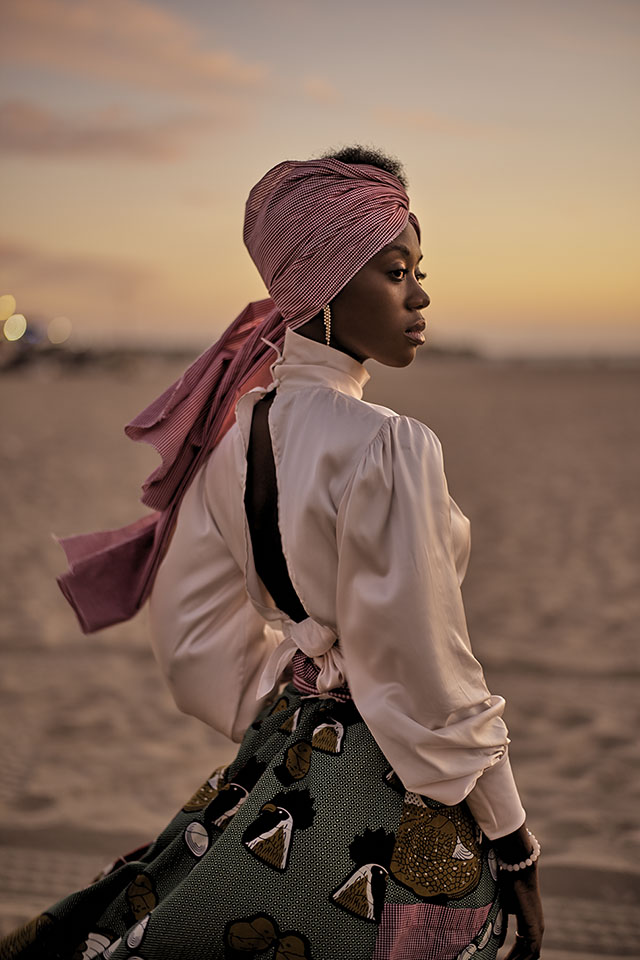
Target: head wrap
[309,227]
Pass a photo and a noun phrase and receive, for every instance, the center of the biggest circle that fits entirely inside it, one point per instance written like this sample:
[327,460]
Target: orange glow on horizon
[128,182]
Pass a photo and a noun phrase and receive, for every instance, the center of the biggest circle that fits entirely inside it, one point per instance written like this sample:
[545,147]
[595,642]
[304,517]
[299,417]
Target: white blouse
[376,550]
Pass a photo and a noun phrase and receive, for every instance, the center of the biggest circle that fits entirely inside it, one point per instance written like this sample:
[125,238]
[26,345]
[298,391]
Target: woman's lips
[416,333]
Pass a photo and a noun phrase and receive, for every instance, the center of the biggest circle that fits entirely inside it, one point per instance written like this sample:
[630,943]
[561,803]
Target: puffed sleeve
[208,638]
[403,631]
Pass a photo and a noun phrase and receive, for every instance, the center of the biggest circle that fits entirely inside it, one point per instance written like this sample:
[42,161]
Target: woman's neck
[314,330]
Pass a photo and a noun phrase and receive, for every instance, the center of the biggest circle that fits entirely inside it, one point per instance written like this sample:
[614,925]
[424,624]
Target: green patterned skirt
[306,846]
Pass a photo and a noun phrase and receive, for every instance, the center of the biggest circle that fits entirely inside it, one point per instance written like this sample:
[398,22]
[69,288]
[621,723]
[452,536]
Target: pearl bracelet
[529,862]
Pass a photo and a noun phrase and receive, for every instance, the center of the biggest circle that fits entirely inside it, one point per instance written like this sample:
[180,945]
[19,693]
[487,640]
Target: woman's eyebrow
[401,247]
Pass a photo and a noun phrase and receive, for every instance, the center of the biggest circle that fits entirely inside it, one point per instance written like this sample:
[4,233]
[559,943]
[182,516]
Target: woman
[371,811]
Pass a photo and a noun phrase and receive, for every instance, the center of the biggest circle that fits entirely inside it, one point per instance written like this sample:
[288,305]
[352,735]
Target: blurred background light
[7,306]
[59,330]
[15,326]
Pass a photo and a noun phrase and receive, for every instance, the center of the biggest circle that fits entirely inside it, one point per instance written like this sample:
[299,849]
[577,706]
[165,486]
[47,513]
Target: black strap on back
[261,506]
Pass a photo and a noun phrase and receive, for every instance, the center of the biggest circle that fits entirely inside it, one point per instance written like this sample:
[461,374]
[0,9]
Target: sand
[544,459]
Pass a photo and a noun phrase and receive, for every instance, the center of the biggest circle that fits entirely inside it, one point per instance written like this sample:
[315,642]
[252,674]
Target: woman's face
[377,314]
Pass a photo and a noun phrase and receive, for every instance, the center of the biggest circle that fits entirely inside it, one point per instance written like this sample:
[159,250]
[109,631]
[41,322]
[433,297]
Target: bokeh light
[59,330]
[15,326]
[7,306]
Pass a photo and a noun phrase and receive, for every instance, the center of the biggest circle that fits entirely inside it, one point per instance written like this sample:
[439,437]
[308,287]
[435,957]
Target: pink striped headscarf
[309,227]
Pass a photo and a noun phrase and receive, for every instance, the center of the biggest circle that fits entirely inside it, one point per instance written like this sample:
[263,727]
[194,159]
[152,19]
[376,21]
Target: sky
[132,131]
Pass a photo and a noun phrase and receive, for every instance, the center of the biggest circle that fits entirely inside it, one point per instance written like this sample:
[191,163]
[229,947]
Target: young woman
[305,535]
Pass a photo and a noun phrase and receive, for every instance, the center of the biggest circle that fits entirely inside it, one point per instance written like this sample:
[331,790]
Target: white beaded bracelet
[529,862]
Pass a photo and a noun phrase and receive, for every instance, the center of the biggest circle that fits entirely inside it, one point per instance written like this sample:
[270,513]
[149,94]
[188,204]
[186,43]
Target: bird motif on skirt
[270,835]
[328,736]
[233,794]
[363,892]
[333,720]
[289,725]
[205,793]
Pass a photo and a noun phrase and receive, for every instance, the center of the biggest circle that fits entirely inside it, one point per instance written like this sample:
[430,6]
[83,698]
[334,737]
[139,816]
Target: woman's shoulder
[362,427]
[325,403]
[402,432]
[402,446]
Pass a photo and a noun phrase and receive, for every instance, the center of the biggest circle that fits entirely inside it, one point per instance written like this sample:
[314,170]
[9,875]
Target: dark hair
[375,158]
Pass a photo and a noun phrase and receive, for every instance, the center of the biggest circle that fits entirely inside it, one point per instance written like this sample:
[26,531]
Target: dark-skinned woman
[304,567]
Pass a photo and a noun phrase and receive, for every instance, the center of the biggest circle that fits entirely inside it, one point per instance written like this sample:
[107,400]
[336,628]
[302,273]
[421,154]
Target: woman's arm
[408,656]
[403,630]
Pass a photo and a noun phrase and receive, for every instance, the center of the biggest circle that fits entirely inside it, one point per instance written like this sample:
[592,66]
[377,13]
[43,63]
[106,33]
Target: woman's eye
[401,272]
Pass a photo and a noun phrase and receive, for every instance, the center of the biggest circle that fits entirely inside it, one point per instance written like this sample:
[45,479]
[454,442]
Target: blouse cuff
[495,801]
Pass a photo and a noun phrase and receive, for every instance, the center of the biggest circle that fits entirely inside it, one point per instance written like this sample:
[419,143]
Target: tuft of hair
[371,155]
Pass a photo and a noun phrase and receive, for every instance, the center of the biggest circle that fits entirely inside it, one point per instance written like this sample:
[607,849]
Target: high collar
[305,362]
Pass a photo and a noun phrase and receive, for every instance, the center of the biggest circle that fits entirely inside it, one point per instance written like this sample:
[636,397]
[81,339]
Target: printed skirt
[306,847]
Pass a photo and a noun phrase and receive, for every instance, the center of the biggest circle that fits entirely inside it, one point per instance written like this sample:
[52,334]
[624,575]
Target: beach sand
[545,460]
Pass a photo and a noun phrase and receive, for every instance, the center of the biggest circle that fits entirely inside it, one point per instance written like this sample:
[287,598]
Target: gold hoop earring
[326,312]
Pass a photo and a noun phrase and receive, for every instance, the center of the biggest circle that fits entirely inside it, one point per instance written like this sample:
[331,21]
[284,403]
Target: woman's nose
[420,299]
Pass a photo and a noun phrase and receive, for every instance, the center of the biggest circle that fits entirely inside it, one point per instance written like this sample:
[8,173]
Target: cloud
[321,91]
[47,282]
[130,42]
[29,128]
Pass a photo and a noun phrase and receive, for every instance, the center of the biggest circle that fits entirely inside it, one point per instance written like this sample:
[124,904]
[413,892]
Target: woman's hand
[521,896]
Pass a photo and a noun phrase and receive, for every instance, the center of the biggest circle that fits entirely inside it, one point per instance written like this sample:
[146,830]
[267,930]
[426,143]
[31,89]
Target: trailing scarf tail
[111,572]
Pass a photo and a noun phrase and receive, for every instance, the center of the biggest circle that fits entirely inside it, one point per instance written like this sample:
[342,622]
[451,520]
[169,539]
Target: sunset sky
[132,130]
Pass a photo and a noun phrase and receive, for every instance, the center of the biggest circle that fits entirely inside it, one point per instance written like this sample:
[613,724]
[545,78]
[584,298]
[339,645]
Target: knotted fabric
[309,227]
[316,642]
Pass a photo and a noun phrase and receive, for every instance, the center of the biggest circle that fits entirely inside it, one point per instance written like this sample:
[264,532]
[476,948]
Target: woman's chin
[400,358]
